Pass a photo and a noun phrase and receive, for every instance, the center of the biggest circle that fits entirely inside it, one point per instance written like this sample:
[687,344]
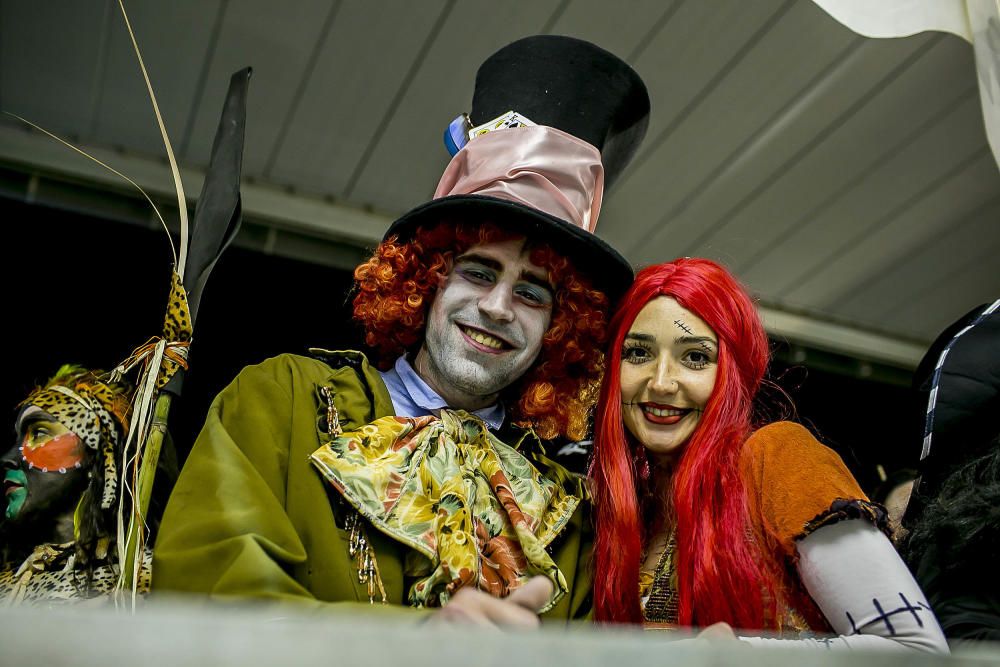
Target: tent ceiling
[846,180]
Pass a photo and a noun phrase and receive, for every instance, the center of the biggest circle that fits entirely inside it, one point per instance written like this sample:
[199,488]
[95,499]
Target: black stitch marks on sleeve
[914,610]
[886,616]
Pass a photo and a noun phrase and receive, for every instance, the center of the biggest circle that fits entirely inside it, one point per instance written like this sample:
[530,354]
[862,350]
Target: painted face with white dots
[43,473]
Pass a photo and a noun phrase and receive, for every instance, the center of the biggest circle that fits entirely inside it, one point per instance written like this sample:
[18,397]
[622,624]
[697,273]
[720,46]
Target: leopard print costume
[48,577]
[93,411]
[177,328]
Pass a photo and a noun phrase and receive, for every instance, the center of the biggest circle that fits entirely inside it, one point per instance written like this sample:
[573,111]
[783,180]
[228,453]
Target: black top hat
[599,108]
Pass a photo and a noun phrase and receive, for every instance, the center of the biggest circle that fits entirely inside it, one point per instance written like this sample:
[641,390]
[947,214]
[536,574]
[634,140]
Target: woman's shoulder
[792,479]
[790,449]
[784,441]
[780,430]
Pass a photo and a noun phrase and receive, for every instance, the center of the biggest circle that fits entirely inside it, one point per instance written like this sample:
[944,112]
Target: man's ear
[449,264]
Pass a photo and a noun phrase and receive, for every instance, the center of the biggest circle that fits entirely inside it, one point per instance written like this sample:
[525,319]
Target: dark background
[87,290]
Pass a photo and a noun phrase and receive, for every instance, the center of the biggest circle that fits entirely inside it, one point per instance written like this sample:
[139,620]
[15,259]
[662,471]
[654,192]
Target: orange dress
[794,486]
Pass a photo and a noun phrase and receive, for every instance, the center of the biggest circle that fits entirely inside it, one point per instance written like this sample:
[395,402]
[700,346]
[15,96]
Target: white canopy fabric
[975,21]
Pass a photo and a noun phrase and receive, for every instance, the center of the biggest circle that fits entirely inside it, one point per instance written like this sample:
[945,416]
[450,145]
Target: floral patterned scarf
[476,509]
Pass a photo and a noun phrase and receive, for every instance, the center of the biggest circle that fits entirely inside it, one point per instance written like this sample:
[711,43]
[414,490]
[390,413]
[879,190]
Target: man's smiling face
[486,323]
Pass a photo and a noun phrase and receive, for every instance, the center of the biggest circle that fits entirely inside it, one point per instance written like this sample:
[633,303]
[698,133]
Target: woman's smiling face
[669,363]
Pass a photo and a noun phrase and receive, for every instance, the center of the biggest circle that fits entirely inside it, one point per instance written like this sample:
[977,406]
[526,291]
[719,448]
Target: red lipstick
[662,415]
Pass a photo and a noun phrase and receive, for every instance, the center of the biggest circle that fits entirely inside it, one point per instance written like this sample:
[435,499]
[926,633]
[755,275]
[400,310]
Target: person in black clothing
[954,512]
[954,547]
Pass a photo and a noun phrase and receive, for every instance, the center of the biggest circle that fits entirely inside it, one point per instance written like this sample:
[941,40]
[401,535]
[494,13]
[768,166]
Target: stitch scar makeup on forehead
[683,327]
[686,329]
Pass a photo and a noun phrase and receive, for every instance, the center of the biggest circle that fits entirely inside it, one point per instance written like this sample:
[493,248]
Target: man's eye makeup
[533,289]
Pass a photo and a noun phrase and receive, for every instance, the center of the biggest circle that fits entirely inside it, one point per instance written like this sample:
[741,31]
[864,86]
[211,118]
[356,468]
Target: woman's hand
[718,631]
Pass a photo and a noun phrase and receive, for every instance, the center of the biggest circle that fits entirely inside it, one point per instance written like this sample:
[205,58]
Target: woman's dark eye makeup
[697,359]
[636,352]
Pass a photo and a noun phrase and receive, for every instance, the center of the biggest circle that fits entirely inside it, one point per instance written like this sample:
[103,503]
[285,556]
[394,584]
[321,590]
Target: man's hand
[517,610]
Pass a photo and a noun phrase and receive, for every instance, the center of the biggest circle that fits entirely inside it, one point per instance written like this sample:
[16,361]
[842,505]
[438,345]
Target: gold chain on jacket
[363,554]
[359,548]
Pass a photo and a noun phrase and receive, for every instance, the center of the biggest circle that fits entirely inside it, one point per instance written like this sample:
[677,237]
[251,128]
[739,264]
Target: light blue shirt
[412,397]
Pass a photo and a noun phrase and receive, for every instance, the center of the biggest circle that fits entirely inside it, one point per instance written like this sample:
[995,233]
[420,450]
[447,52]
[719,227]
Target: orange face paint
[57,453]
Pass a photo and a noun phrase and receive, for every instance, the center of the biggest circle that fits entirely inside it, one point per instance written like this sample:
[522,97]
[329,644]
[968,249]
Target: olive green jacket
[251,517]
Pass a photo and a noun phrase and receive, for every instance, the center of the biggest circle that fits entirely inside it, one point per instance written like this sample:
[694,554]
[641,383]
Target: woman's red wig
[721,575]
[395,290]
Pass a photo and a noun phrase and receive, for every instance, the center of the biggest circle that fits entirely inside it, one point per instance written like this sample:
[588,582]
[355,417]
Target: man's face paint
[42,474]
[486,323]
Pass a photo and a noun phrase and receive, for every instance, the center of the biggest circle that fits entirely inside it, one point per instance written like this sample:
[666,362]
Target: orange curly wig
[397,285]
